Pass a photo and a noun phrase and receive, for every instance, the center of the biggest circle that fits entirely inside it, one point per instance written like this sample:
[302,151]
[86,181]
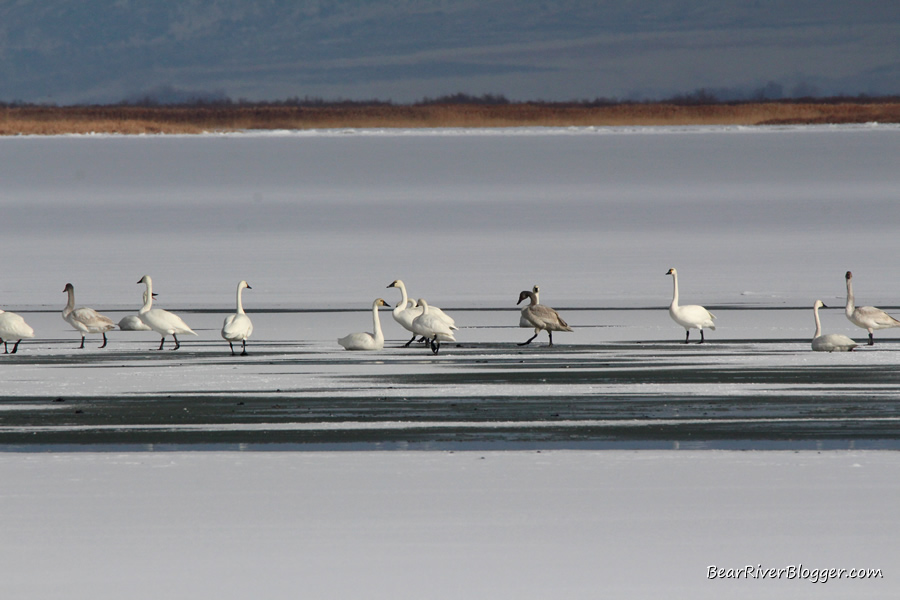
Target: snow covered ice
[760,222]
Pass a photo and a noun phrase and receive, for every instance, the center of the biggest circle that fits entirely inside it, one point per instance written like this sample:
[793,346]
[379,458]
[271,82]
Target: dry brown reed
[51,120]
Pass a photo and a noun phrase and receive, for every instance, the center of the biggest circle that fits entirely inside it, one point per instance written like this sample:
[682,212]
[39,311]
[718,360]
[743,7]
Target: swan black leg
[104,340]
[5,349]
[243,347]
[701,337]
[528,341]
[232,347]
[550,333]
[161,342]
[16,347]
[81,347]
[871,339]
[406,345]
[687,336]
[435,345]
[177,343]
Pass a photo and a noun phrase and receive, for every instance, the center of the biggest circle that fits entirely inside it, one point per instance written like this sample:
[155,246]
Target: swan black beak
[824,305]
[154,294]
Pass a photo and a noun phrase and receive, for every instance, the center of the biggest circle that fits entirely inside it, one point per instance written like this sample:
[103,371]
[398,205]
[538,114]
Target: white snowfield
[438,525]
[759,222]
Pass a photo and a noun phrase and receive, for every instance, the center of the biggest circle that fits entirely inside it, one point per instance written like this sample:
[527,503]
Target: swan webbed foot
[528,341]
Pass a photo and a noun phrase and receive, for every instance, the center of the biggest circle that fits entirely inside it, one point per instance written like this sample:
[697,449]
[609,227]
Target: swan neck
[70,304]
[850,300]
[148,297]
[818,324]
[674,289]
[376,323]
[240,304]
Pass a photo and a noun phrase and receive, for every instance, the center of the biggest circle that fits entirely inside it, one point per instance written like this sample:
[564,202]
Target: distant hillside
[101,51]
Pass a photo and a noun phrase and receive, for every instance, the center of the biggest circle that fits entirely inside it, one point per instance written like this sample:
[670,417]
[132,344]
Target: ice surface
[516,525]
[759,221]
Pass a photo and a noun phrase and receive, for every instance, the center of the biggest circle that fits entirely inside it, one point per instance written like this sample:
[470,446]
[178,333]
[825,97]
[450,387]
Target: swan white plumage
[832,342]
[867,317]
[237,326]
[691,316]
[363,340]
[133,322]
[85,320]
[161,321]
[404,314]
[523,322]
[432,327]
[13,327]
[542,318]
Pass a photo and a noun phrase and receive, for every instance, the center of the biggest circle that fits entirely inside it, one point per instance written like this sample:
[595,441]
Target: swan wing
[833,342]
[90,320]
[544,317]
[237,327]
[869,316]
[360,341]
[13,326]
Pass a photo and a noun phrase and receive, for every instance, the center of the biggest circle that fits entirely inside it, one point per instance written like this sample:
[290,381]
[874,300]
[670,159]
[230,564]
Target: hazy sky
[403,50]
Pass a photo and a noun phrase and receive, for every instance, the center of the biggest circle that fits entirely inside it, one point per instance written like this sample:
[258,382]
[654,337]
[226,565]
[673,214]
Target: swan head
[381,302]
[671,271]
[819,304]
[422,303]
[848,276]
[396,283]
[244,285]
[69,288]
[526,295]
[145,279]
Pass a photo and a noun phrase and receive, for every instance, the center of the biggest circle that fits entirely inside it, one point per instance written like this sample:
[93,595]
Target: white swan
[540,317]
[691,316]
[832,342]
[85,320]
[432,327]
[237,327]
[867,317]
[523,322]
[404,315]
[161,321]
[13,327]
[367,341]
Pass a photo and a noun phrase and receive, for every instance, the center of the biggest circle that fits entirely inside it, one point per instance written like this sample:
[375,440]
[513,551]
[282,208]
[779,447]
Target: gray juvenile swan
[541,318]
[85,320]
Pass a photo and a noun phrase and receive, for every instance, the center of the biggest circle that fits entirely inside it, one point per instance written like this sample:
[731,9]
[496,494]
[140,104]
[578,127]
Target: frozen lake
[760,222]
[601,466]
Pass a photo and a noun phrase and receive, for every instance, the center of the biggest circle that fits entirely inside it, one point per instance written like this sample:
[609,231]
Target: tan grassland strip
[53,120]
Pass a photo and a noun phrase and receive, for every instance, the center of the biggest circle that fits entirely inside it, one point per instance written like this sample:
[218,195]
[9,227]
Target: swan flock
[425,321]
